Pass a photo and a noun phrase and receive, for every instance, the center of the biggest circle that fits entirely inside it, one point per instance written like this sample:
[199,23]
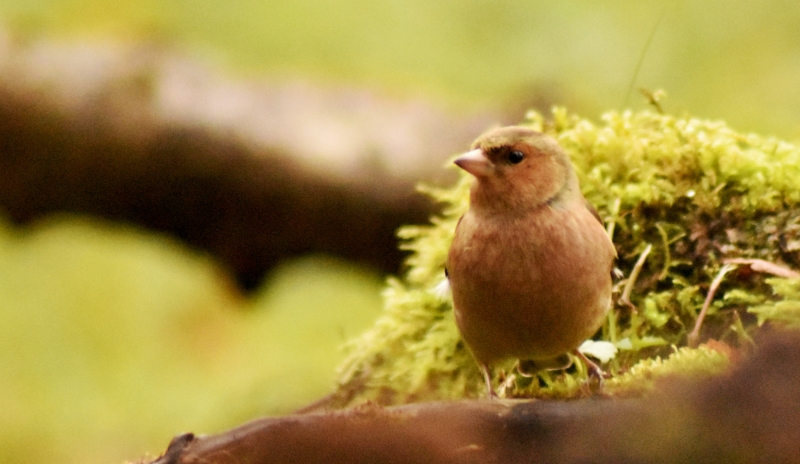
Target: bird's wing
[615,272]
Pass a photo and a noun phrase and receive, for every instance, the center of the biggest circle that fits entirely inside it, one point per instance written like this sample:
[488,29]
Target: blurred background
[198,198]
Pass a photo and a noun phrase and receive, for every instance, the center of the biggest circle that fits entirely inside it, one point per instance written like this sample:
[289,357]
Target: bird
[530,263]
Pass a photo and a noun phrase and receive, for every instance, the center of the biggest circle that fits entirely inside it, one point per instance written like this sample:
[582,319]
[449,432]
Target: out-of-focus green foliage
[579,53]
[696,191]
[112,341]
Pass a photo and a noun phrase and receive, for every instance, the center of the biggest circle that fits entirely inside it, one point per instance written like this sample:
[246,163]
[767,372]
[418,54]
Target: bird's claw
[594,371]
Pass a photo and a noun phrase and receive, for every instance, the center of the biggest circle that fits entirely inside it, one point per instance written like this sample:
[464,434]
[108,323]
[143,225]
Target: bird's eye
[515,157]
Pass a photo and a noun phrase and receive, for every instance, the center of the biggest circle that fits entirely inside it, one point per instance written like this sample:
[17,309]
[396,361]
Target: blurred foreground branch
[748,415]
[250,172]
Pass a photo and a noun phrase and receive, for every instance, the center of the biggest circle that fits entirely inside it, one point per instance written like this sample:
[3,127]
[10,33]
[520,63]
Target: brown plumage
[530,264]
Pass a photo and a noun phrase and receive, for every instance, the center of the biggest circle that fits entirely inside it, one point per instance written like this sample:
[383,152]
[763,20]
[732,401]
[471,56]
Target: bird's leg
[487,377]
[594,370]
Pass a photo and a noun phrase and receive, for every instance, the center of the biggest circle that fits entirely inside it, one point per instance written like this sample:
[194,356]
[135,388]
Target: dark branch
[749,415]
[252,173]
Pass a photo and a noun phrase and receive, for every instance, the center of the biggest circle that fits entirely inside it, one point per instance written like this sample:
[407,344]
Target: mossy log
[706,223]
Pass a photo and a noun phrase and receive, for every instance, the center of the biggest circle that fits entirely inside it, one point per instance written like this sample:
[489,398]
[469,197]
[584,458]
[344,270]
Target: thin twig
[637,268]
[759,265]
[667,257]
[667,242]
[641,59]
[695,333]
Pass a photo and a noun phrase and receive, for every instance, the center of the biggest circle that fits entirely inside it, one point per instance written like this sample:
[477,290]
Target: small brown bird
[530,264]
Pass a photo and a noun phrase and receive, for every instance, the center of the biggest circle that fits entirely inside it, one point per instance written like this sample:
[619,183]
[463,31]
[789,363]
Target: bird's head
[518,169]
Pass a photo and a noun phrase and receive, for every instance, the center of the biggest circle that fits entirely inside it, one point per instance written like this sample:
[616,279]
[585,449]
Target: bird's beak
[475,162]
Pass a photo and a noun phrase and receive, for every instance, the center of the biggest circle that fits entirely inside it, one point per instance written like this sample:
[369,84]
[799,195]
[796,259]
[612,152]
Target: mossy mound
[696,192]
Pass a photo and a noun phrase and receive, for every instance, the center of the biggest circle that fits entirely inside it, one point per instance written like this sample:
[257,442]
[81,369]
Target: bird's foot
[595,372]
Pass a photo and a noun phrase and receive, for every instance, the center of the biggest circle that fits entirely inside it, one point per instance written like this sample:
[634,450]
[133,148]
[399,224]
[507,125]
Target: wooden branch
[748,415]
[251,172]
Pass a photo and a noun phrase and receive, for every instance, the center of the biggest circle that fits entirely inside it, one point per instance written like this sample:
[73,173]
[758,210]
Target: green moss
[695,191]
[686,362]
[786,308]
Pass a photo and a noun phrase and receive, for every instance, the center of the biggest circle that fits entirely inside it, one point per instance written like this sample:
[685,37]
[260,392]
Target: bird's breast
[534,286]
